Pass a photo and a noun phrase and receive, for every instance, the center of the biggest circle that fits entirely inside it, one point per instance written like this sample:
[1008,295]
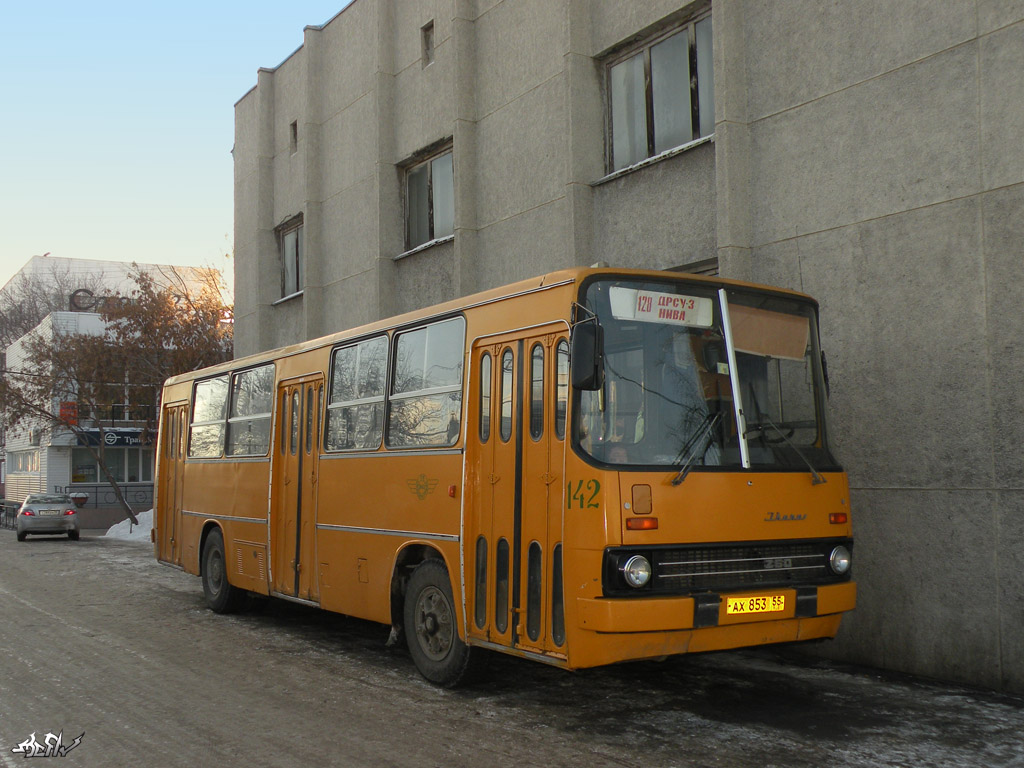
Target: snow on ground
[127,531]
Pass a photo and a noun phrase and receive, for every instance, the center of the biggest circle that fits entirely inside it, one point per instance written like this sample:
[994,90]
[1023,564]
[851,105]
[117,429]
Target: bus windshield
[668,399]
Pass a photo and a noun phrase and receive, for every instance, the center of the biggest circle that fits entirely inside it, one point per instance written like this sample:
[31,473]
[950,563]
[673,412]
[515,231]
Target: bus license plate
[755,604]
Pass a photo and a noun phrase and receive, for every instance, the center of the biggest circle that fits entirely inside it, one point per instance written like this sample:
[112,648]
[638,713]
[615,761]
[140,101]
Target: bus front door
[515,531]
[293,497]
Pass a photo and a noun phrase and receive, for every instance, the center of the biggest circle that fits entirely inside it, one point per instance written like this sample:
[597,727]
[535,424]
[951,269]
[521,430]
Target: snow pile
[128,532]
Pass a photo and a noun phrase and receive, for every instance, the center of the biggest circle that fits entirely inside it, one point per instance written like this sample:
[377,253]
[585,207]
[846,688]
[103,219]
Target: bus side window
[561,387]
[537,391]
[319,412]
[309,420]
[209,409]
[485,397]
[296,415]
[425,404]
[355,407]
[283,431]
[252,397]
[506,395]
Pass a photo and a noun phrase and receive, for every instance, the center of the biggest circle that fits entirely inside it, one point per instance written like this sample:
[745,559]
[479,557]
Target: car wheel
[73,535]
[221,596]
[21,536]
[431,630]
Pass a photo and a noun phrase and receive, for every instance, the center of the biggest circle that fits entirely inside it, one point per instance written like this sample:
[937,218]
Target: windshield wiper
[701,438]
[759,427]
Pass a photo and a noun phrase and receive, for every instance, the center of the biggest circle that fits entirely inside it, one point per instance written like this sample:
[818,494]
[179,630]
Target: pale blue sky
[117,121]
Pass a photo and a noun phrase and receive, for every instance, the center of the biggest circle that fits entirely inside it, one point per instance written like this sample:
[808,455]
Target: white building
[39,458]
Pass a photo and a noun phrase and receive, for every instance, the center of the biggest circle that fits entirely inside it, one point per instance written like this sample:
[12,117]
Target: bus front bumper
[660,626]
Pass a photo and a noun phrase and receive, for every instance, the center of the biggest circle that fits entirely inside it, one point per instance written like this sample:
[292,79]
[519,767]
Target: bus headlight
[637,571]
[839,560]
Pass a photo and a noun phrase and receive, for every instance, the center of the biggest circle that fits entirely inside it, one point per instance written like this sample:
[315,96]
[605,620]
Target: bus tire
[221,596]
[431,630]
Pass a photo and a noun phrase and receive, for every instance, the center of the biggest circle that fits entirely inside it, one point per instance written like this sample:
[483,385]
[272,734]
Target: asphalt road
[98,639]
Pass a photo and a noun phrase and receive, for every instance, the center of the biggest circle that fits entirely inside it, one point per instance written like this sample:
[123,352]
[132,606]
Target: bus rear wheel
[430,626]
[221,596]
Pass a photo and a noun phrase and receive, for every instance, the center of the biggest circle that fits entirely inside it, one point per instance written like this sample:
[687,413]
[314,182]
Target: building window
[430,200]
[290,239]
[427,32]
[662,96]
[23,461]
[126,465]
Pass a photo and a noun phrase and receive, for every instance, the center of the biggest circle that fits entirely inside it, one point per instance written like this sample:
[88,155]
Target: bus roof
[549,280]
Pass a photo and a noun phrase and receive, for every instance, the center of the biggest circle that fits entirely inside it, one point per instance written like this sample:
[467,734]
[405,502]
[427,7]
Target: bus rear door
[172,438]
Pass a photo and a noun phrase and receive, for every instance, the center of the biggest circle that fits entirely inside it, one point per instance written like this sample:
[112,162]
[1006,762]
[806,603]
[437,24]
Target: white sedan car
[48,513]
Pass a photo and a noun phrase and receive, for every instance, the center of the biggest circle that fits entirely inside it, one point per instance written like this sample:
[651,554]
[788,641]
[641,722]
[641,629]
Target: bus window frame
[390,397]
[329,405]
[269,415]
[222,421]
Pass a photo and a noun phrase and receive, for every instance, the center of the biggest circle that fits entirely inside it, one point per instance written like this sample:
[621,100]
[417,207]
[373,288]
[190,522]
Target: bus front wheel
[430,626]
[220,595]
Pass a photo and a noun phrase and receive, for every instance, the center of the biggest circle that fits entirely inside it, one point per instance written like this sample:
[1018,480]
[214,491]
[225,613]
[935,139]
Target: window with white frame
[126,465]
[23,461]
[430,200]
[661,95]
[290,240]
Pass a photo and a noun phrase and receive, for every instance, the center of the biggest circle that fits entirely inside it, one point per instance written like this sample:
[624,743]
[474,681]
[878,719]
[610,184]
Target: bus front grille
[686,569]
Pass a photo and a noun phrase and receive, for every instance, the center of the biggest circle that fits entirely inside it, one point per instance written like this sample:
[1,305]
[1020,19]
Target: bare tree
[174,321]
[60,369]
[171,322]
[30,296]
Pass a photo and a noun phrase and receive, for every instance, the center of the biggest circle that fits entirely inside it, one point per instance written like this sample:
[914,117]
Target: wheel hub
[434,626]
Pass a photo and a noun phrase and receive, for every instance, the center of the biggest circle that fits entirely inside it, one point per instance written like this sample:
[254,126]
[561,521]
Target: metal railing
[8,512]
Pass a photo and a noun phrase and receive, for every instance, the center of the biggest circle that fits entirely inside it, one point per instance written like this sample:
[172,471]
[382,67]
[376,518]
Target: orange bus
[589,467]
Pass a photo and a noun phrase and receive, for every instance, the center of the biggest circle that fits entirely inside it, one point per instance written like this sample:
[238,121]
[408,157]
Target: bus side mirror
[586,356]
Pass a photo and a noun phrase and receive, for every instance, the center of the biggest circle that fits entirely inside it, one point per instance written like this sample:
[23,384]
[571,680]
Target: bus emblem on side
[422,486]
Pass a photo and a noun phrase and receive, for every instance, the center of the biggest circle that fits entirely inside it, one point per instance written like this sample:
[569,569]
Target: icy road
[102,643]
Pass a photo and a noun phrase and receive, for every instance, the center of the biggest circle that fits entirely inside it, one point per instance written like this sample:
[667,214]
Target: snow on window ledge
[289,297]
[655,159]
[424,246]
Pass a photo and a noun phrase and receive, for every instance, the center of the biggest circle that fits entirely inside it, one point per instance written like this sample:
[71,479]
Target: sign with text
[658,307]
[69,412]
[115,438]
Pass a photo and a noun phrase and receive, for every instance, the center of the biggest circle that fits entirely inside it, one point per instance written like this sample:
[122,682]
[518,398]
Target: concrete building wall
[884,180]
[864,152]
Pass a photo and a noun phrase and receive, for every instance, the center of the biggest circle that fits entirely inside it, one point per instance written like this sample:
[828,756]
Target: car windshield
[668,398]
[48,499]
